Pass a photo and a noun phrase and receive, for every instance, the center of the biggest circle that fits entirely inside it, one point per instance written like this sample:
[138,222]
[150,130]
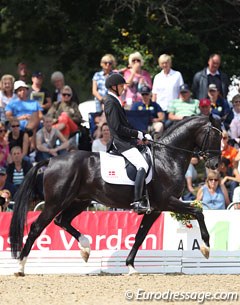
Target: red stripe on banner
[105,230]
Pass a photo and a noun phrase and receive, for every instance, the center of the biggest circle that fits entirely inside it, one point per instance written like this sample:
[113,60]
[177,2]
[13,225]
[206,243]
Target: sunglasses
[2,130]
[236,102]
[107,63]
[216,180]
[136,60]
[224,138]
[66,94]
[15,126]
[145,94]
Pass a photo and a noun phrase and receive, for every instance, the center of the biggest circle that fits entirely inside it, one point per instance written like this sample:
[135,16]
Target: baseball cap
[3,171]
[18,84]
[212,87]
[204,102]
[184,88]
[145,89]
[37,74]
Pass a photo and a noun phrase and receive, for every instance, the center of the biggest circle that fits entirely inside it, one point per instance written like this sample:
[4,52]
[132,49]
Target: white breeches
[135,157]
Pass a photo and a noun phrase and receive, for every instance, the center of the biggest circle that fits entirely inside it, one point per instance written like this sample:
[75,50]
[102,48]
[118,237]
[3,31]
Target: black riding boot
[140,204]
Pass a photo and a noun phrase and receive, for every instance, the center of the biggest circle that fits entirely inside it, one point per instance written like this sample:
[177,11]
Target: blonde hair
[67,88]
[135,55]
[7,77]
[109,57]
[163,58]
[213,174]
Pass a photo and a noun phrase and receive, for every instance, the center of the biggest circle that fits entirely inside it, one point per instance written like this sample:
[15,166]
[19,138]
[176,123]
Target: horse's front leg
[146,224]
[176,205]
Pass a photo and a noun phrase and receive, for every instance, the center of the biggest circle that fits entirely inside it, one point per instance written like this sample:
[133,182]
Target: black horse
[72,181]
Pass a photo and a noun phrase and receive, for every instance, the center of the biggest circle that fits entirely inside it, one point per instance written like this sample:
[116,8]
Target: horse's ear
[211,118]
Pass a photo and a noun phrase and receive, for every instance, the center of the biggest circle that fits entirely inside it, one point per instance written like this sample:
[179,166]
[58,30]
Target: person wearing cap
[124,137]
[39,93]
[205,106]
[220,106]
[183,106]
[27,111]
[157,114]
[210,75]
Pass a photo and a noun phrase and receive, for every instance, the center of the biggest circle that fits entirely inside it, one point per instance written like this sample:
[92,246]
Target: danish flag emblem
[111,173]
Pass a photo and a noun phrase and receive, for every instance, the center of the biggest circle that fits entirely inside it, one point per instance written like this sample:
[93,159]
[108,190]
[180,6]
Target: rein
[203,152]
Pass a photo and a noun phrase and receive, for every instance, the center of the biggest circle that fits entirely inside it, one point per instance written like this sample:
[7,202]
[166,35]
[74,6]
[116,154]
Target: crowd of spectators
[37,122]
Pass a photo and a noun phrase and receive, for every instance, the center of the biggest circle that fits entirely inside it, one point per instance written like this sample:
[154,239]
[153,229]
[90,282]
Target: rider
[124,137]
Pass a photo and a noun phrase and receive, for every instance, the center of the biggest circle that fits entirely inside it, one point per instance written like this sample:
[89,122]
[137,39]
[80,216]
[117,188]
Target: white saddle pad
[113,170]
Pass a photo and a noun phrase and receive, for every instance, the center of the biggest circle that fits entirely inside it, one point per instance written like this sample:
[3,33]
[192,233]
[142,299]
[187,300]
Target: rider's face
[120,89]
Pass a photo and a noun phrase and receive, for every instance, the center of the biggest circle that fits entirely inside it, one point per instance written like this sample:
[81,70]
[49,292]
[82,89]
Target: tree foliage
[73,35]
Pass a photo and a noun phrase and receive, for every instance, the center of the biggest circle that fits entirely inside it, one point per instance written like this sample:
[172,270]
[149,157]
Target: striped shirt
[18,177]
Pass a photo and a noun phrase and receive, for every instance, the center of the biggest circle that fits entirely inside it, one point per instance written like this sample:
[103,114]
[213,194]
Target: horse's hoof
[84,246]
[205,251]
[132,270]
[85,253]
[17,274]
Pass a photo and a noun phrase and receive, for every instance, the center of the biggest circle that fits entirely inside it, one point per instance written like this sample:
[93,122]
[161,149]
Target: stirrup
[140,206]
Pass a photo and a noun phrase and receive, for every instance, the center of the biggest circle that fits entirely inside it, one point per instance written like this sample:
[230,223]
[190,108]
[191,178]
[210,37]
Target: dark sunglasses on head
[107,62]
[15,126]
[66,94]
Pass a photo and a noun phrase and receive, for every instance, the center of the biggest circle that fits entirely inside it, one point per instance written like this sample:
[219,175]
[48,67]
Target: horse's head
[210,139]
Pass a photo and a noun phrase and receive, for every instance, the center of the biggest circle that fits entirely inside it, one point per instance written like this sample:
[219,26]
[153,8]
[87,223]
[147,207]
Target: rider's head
[115,83]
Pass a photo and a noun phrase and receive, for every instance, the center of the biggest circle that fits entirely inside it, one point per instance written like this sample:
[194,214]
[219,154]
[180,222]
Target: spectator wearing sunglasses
[213,193]
[135,78]
[99,91]
[17,137]
[66,115]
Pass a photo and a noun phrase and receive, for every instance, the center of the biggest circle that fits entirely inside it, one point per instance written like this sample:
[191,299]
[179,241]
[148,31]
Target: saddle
[116,169]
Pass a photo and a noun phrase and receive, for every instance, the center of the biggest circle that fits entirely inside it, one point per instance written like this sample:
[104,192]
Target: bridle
[204,151]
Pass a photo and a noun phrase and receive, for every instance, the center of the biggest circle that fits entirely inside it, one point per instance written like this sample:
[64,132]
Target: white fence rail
[113,262]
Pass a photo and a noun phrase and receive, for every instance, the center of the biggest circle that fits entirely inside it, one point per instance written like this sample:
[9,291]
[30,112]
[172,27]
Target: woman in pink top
[135,77]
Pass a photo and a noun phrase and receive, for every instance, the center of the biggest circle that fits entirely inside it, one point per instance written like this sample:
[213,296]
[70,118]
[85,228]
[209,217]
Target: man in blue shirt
[27,111]
[156,112]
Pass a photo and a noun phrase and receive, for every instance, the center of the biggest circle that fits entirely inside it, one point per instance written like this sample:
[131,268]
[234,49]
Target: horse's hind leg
[145,226]
[175,205]
[36,229]
[64,220]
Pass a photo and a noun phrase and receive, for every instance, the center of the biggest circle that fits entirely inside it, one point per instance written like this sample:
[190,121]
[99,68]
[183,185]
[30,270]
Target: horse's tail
[25,194]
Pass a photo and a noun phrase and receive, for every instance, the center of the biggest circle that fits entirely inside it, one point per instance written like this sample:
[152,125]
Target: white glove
[140,135]
[148,137]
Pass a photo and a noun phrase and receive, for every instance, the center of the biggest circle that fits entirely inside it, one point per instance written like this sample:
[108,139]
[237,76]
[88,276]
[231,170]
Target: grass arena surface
[111,289]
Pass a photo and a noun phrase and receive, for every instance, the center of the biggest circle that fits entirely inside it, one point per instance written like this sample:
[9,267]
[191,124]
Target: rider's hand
[148,137]
[140,135]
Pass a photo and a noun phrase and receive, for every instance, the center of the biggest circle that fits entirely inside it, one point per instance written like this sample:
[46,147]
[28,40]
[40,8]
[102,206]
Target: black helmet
[114,80]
